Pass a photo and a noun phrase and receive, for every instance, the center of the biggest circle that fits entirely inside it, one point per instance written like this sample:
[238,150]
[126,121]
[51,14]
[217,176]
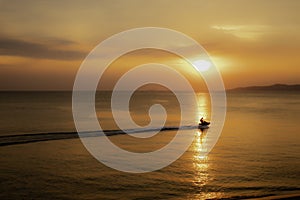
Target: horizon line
[145,90]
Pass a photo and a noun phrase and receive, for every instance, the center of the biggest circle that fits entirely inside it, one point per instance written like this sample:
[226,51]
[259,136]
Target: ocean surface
[256,156]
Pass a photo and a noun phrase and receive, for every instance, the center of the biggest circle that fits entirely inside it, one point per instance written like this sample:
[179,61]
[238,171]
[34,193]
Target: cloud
[244,31]
[44,50]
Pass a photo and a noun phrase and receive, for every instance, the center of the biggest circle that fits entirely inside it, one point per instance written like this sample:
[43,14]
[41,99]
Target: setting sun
[202,65]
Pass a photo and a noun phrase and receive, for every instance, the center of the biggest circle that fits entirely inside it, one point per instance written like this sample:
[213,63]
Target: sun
[201,65]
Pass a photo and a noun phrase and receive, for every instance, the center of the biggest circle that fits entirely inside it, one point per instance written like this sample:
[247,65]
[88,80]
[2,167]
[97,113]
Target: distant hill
[275,87]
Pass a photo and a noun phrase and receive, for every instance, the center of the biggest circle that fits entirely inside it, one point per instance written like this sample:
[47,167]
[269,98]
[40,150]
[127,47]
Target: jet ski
[203,124]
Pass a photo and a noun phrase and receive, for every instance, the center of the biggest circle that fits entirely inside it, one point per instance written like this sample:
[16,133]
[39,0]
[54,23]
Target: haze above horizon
[42,44]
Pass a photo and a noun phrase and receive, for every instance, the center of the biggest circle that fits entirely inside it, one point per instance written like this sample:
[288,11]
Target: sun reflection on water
[202,179]
[200,161]
[201,164]
[204,107]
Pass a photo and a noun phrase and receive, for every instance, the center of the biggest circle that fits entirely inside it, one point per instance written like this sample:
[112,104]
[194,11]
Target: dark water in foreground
[257,155]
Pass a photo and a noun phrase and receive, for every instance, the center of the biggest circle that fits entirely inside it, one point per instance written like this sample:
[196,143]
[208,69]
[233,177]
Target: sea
[257,155]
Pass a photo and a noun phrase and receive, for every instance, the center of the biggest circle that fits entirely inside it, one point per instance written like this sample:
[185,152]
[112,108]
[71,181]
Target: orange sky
[42,43]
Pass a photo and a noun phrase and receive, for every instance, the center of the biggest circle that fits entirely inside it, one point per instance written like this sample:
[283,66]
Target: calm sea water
[257,155]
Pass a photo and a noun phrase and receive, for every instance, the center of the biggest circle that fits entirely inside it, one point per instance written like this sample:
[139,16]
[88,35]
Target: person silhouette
[203,122]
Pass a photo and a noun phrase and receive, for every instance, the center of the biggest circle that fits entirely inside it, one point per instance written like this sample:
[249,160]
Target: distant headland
[275,87]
